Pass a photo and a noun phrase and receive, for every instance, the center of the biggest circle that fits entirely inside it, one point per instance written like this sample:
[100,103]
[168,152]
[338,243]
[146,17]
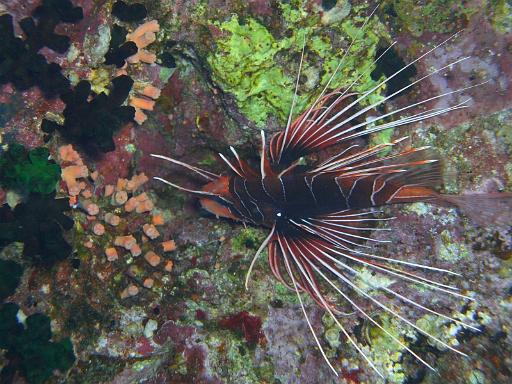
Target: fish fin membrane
[483,209]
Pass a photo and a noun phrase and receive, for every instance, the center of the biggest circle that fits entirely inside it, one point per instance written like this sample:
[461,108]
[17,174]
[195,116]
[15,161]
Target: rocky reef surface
[107,276]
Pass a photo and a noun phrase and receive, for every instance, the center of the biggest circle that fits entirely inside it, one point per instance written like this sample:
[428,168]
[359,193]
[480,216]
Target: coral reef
[147,286]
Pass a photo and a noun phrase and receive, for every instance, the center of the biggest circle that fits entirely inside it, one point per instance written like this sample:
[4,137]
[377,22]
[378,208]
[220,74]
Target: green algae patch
[501,18]
[244,65]
[30,171]
[501,122]
[223,348]
[383,351]
[450,249]
[440,16]
[247,241]
[382,137]
[260,70]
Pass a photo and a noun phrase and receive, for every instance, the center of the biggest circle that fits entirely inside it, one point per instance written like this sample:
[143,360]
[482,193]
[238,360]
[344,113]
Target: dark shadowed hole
[328,4]
[389,64]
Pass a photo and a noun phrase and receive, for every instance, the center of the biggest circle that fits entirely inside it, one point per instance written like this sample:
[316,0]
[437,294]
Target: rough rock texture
[227,69]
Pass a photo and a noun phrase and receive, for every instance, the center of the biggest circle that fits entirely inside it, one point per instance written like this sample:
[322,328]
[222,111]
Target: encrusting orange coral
[168,246]
[127,242]
[168,265]
[83,184]
[111,254]
[158,220]
[136,182]
[112,219]
[98,229]
[150,231]
[109,190]
[119,198]
[91,208]
[74,171]
[152,258]
[144,35]
[131,204]
[69,155]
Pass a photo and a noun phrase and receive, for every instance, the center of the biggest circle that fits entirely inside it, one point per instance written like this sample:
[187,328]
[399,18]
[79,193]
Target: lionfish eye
[279,214]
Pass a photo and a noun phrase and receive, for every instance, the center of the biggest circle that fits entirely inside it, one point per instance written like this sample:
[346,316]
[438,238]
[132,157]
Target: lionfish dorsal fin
[266,169]
[238,165]
[338,117]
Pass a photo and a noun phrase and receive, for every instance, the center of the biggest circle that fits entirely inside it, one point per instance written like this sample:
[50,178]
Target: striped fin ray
[334,117]
[346,239]
[279,151]
[307,262]
[238,166]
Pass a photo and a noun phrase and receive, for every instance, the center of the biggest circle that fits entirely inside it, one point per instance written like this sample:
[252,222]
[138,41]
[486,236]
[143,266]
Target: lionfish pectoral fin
[193,191]
[258,252]
[320,257]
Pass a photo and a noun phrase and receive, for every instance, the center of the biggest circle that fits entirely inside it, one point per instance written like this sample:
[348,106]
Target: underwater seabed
[108,276]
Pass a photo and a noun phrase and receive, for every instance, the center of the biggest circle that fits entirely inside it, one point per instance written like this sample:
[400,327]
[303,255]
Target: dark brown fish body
[302,192]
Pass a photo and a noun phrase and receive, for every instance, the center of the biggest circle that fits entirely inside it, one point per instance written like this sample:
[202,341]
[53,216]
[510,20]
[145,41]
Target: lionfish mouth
[321,216]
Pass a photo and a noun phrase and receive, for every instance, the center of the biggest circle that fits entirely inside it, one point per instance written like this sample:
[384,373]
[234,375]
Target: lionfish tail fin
[483,209]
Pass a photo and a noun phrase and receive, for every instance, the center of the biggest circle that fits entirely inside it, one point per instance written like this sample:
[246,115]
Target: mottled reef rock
[225,70]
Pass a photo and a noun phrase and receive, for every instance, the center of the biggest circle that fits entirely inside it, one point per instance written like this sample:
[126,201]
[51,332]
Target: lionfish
[320,215]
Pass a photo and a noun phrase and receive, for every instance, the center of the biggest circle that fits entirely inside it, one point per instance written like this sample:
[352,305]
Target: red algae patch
[243,322]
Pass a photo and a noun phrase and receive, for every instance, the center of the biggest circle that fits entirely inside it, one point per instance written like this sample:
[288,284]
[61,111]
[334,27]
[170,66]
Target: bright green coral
[259,69]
